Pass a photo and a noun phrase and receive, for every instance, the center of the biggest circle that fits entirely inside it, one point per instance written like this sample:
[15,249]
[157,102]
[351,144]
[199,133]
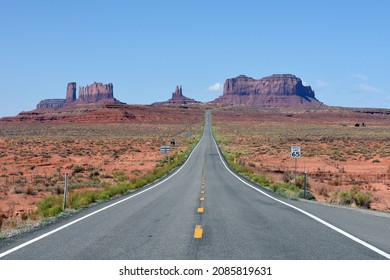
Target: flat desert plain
[100,152]
[34,157]
[342,149]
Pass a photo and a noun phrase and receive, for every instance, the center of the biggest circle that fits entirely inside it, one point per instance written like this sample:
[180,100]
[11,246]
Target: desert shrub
[50,206]
[18,190]
[87,197]
[352,197]
[287,177]
[58,189]
[300,181]
[150,178]
[54,211]
[309,195]
[77,200]
[140,183]
[104,195]
[323,191]
[106,176]
[24,216]
[118,189]
[93,173]
[30,191]
[77,169]
[286,190]
[362,199]
[119,176]
[261,180]
[345,198]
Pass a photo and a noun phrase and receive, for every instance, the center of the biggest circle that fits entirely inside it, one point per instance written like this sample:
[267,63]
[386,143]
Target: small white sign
[295,151]
[165,149]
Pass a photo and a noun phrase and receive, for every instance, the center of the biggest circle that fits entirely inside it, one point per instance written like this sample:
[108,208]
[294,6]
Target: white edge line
[350,236]
[97,211]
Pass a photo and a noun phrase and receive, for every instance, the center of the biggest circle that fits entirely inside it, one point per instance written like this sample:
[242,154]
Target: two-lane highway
[204,211]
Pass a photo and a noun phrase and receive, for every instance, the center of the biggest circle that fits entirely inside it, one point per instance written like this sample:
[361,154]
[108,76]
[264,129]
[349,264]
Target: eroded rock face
[51,103]
[96,93]
[280,90]
[178,98]
[71,93]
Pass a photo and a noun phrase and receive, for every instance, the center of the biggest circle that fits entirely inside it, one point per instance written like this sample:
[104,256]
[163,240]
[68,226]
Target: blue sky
[146,48]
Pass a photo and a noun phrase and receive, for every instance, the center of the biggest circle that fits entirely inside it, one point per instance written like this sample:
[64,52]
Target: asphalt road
[239,221]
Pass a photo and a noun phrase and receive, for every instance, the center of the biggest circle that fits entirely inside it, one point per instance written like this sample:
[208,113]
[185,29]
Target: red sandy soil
[111,145]
[38,147]
[336,154]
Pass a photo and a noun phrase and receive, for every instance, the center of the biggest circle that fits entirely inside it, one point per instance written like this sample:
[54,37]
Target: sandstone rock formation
[51,103]
[177,98]
[96,93]
[280,90]
[71,93]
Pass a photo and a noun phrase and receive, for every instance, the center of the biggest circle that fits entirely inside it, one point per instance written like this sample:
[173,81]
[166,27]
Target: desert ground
[34,157]
[341,148]
[110,146]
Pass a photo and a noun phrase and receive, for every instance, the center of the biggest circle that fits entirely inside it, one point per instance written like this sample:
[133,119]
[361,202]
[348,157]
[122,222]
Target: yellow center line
[200,209]
[198,233]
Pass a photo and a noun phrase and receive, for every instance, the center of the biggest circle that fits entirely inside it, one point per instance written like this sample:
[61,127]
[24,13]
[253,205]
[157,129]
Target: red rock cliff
[273,91]
[95,93]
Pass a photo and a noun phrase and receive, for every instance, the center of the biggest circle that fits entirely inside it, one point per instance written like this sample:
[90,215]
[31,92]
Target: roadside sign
[174,142]
[295,151]
[165,149]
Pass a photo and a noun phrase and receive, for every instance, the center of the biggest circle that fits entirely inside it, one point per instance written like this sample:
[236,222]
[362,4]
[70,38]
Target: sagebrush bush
[353,197]
[300,182]
[50,206]
[77,169]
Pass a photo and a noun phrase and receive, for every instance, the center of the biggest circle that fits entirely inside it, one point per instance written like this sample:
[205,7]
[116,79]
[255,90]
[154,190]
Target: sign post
[166,150]
[65,190]
[305,185]
[295,154]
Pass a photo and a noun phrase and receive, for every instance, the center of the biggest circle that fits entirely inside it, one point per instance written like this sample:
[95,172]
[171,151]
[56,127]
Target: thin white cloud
[369,88]
[216,87]
[322,84]
[360,77]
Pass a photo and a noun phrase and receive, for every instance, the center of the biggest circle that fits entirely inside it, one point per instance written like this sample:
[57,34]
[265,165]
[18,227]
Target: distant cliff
[279,90]
[96,93]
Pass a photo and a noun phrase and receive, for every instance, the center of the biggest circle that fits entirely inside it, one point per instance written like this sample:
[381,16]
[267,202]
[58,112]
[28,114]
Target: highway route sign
[295,151]
[165,149]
